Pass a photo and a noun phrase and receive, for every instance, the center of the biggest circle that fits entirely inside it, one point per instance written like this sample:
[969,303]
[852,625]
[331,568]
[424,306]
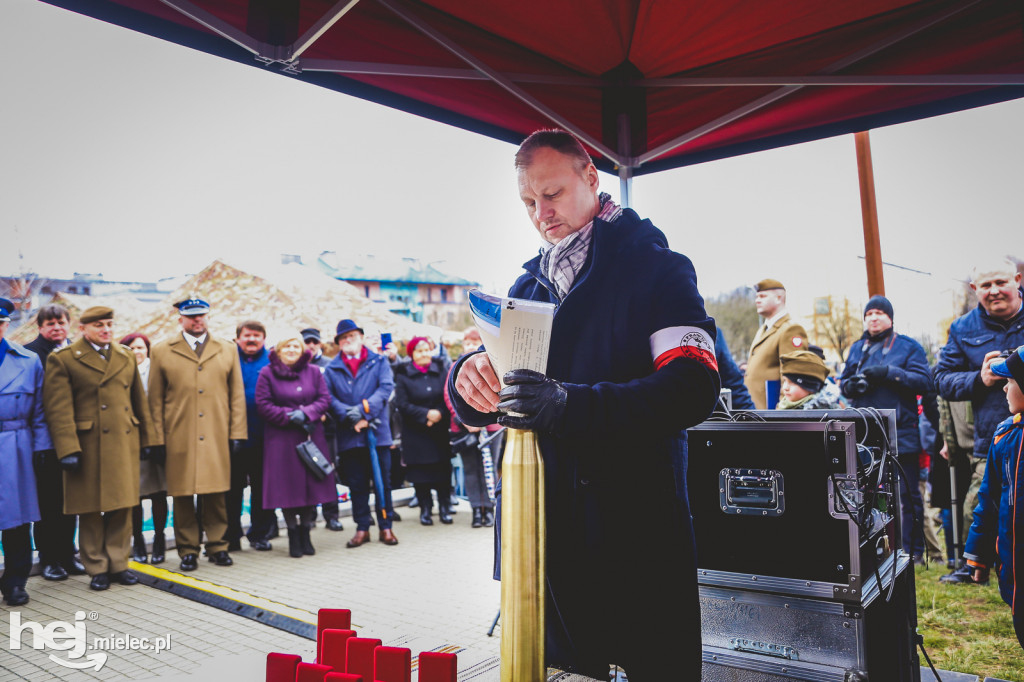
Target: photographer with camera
[886,370]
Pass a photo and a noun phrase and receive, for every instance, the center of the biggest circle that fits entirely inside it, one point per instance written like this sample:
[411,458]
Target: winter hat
[804,369]
[1011,367]
[346,326]
[879,303]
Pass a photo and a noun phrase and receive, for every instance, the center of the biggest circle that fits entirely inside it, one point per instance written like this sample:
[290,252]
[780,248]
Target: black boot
[305,544]
[445,512]
[159,546]
[425,516]
[478,517]
[294,543]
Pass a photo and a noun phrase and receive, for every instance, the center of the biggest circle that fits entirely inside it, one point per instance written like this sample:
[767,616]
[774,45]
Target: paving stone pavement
[433,588]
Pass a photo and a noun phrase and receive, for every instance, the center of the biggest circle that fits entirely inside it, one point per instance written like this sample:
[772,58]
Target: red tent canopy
[647,85]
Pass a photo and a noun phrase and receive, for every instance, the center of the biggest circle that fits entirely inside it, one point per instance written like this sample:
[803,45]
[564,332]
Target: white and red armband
[683,342]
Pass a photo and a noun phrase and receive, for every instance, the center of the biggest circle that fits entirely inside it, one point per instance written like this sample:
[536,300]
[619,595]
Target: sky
[139,159]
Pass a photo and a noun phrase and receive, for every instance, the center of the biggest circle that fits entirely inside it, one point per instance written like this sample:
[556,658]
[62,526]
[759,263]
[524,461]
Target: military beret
[192,306]
[804,362]
[96,313]
[766,284]
[6,308]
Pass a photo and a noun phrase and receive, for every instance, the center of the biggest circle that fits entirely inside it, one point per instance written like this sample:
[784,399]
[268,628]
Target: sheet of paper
[515,332]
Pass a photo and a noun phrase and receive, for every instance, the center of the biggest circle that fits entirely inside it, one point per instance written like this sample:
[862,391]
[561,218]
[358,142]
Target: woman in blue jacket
[23,433]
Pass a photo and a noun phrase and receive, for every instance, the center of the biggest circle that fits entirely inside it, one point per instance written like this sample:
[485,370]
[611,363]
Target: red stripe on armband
[698,354]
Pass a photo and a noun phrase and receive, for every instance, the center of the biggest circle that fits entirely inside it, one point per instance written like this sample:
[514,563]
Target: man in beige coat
[96,410]
[198,404]
[777,336]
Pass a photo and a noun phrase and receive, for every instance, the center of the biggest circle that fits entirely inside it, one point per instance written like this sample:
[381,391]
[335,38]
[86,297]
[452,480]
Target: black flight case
[802,575]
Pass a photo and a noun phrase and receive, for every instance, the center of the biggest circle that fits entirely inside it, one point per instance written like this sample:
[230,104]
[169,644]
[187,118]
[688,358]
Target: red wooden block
[281,667]
[311,672]
[343,677]
[360,656]
[339,619]
[334,648]
[392,664]
[438,667]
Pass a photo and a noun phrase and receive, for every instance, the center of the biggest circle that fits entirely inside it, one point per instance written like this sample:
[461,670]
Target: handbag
[320,466]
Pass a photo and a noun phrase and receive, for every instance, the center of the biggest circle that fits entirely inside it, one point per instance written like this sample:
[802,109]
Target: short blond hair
[284,342]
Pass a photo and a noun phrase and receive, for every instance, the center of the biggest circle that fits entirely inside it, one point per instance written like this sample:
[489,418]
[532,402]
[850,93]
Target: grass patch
[967,628]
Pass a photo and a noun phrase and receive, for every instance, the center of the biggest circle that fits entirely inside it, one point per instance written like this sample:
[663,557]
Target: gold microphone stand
[523,537]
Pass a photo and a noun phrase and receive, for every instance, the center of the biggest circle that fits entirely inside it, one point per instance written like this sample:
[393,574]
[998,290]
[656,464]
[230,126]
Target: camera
[856,386]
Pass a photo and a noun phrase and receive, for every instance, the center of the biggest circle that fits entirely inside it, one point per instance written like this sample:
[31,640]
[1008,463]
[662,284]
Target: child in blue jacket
[996,538]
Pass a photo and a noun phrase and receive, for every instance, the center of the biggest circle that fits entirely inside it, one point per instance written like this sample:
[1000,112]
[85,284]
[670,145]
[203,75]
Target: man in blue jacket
[360,383]
[886,370]
[631,365]
[996,538]
[964,372]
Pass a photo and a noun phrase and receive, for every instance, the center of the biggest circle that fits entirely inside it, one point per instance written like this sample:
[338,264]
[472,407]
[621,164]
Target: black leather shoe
[157,558]
[16,596]
[335,524]
[394,515]
[478,518]
[445,514]
[141,558]
[221,558]
[188,562]
[261,545]
[99,582]
[75,567]
[125,577]
[54,572]
[425,518]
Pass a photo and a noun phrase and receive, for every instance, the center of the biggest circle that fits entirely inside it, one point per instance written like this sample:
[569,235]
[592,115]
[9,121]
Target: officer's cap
[192,306]
[96,313]
[6,308]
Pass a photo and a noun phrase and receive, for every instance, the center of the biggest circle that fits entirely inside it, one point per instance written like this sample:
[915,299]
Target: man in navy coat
[631,365]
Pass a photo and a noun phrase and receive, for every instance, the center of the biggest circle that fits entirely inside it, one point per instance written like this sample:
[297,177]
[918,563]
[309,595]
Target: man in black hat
[311,337]
[360,383]
[54,533]
[779,335]
[886,370]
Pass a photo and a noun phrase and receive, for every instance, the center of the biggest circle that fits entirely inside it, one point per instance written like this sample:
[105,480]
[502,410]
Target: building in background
[406,286]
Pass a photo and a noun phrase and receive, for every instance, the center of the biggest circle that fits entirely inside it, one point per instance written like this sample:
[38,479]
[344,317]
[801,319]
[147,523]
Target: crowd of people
[634,361]
[92,427]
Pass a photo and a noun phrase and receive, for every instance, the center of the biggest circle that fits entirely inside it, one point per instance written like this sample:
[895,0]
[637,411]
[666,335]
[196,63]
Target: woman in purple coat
[291,394]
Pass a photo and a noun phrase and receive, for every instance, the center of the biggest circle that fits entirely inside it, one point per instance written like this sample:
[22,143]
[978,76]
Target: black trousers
[247,470]
[17,557]
[358,473]
[54,532]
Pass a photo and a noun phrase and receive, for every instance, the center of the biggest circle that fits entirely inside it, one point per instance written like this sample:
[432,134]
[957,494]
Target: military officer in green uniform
[98,417]
[777,336]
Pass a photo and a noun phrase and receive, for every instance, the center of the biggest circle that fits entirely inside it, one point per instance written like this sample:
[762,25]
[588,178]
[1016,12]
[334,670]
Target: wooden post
[869,214]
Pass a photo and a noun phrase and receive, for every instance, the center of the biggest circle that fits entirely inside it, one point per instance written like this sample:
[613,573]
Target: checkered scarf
[563,261]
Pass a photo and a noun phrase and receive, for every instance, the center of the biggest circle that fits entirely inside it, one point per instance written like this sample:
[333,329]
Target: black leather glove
[352,416]
[876,374]
[236,445]
[539,399]
[154,453]
[72,462]
[297,417]
[39,458]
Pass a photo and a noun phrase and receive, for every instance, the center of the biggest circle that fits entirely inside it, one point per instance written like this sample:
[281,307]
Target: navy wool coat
[958,371]
[373,383]
[634,347]
[908,376]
